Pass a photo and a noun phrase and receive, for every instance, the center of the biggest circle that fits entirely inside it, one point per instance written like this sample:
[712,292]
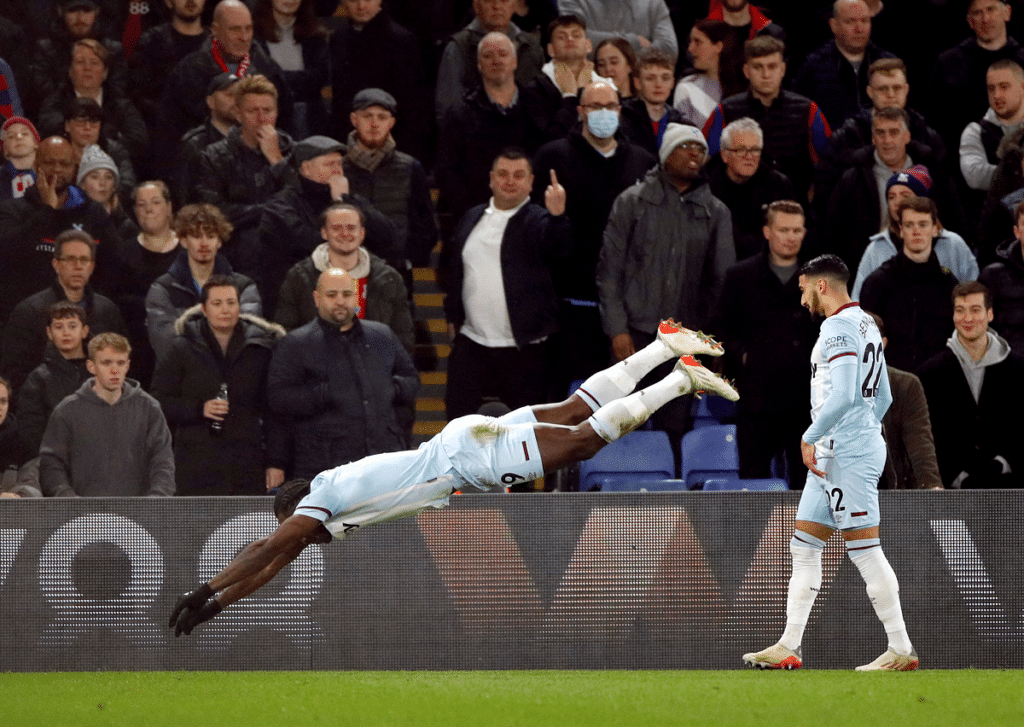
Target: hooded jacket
[191,373]
[968,401]
[386,299]
[95,449]
[664,255]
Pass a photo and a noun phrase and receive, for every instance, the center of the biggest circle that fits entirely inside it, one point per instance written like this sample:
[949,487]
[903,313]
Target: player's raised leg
[562,445]
[619,380]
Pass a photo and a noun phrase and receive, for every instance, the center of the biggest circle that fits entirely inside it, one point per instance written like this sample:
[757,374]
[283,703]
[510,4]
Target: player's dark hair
[962,290]
[288,496]
[827,266]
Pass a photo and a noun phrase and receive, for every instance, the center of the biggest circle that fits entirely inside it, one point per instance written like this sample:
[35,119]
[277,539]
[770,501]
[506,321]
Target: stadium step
[431,353]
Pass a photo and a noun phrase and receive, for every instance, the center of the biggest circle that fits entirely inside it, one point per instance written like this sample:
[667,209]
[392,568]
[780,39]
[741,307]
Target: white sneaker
[704,380]
[891,661]
[775,657]
[685,342]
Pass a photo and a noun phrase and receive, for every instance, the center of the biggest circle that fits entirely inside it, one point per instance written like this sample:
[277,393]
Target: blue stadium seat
[723,484]
[709,410]
[710,452]
[616,483]
[638,456]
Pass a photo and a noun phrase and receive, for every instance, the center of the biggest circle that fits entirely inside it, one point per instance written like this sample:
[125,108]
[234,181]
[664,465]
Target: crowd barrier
[560,581]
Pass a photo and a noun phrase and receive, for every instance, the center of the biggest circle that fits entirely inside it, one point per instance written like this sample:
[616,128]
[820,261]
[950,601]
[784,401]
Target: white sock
[884,592]
[804,585]
[622,416]
[620,379]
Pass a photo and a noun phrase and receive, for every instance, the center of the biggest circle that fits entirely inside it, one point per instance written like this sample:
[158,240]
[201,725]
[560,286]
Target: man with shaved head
[29,225]
[229,49]
[339,381]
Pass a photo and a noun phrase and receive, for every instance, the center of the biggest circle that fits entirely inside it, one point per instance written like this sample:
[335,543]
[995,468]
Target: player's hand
[554,196]
[622,346]
[192,600]
[810,460]
[190,618]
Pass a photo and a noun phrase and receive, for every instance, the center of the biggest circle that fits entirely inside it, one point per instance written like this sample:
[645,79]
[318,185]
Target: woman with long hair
[614,58]
[292,34]
[697,94]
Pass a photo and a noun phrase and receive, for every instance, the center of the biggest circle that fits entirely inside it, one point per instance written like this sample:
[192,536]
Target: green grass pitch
[967,697]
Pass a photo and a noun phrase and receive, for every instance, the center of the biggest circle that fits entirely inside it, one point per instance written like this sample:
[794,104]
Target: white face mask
[603,123]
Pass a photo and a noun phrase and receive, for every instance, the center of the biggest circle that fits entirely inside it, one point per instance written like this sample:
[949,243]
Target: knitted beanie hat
[94,158]
[18,120]
[917,178]
[677,134]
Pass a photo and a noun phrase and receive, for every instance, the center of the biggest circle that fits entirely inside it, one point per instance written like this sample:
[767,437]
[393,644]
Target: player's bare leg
[619,380]
[561,445]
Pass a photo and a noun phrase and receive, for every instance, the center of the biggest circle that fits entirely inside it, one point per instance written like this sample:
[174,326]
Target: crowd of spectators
[178,174]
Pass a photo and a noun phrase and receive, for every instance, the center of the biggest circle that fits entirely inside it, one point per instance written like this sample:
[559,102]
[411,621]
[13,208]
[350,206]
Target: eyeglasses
[75,260]
[746,151]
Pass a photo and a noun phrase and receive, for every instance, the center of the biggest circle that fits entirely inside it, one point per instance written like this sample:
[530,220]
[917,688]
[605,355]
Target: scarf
[243,65]
[366,158]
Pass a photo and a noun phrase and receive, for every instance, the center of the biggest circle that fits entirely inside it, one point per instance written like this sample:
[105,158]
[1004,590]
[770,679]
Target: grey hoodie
[998,349]
[95,449]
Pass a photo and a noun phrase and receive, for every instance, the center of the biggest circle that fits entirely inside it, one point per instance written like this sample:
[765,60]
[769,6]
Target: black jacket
[828,78]
[381,55]
[157,53]
[969,433]
[183,102]
[854,135]
[290,231]
[914,300]
[592,181]
[307,86]
[552,113]
[471,137]
[760,319]
[747,202]
[339,392]
[386,298]
[1006,281]
[28,228]
[853,210]
[24,338]
[636,126]
[239,180]
[46,386]
[398,188]
[122,120]
[191,373]
[533,239]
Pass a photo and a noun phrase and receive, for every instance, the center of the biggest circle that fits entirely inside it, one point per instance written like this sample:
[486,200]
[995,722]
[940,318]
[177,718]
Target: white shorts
[474,450]
[847,499]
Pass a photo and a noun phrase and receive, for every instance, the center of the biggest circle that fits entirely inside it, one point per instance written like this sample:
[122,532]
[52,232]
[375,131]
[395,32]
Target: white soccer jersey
[848,339]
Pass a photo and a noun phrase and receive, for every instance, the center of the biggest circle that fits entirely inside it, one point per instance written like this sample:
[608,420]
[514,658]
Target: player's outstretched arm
[252,568]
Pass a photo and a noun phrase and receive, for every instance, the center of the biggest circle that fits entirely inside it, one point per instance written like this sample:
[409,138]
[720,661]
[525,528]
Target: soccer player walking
[844,452]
